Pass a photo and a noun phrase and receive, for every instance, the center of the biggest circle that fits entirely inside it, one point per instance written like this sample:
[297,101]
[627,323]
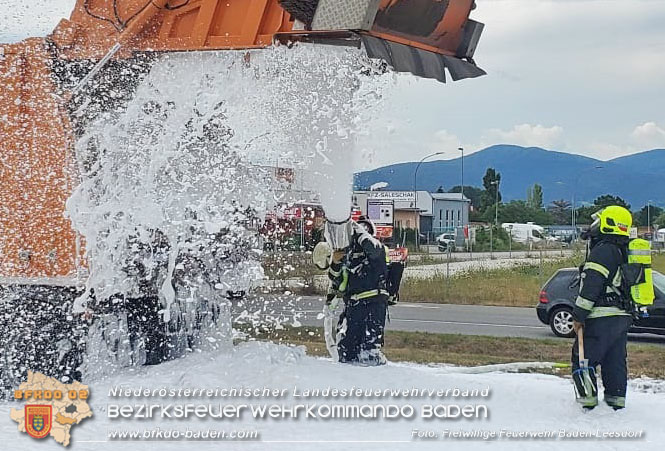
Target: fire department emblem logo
[38,420]
[62,406]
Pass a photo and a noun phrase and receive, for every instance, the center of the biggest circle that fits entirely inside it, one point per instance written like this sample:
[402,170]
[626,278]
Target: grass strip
[473,350]
[517,286]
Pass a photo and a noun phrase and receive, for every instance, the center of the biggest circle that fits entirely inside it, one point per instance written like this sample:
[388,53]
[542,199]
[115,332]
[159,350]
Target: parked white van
[525,233]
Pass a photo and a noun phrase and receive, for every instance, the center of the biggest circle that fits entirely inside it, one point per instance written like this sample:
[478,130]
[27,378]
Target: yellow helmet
[613,220]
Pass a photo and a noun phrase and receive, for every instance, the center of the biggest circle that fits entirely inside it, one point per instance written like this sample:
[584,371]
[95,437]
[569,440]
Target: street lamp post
[415,194]
[649,217]
[461,149]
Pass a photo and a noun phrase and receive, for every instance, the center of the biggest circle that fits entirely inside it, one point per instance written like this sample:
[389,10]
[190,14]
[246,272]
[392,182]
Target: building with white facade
[430,213]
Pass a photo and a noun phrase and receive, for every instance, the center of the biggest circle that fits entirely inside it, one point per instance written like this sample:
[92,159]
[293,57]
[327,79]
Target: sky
[579,76]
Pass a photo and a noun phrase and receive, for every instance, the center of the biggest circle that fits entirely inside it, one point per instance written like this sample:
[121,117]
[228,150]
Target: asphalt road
[433,318]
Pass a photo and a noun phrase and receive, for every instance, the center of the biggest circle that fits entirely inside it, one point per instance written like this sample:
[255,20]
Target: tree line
[484,202]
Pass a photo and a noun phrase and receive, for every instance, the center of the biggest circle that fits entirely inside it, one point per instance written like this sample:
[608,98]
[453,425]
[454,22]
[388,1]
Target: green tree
[518,211]
[560,211]
[500,239]
[534,196]
[642,217]
[491,183]
[607,200]
[473,193]
[660,221]
[583,214]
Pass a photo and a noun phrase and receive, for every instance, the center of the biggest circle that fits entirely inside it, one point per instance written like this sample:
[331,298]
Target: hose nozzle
[338,234]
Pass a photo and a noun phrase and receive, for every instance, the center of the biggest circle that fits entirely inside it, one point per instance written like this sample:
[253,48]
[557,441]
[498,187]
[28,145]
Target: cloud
[608,151]
[648,135]
[528,135]
[444,141]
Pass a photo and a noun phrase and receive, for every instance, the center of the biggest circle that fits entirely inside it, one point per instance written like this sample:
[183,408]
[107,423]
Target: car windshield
[659,281]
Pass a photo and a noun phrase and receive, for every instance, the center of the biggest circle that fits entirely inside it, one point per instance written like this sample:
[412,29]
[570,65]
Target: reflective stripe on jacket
[600,284]
[363,270]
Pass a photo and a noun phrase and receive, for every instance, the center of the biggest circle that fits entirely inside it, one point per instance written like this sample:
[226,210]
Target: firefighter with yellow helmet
[612,276]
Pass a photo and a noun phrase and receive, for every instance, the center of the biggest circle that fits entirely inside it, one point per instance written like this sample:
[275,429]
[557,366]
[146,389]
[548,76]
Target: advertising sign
[381,212]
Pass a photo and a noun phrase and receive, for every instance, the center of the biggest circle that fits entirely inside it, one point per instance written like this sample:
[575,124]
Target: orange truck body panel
[37,164]
[96,25]
[36,167]
[197,25]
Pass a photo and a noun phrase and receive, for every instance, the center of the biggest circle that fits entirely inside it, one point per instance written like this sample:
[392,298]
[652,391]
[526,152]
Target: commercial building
[450,212]
[430,213]
[395,208]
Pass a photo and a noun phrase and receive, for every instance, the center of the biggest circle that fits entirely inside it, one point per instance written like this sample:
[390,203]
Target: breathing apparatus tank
[639,256]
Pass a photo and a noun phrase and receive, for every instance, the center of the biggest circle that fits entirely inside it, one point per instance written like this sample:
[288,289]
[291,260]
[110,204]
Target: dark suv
[558,295]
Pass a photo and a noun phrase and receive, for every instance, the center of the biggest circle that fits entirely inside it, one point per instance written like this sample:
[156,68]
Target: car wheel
[561,323]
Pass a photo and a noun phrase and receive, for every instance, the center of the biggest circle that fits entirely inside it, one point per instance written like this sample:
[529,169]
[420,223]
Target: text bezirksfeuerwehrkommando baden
[317,411]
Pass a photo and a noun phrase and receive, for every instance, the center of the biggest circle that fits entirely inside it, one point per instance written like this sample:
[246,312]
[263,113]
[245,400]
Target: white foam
[182,162]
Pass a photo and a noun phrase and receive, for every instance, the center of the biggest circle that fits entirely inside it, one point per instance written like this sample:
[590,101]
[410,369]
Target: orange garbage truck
[45,81]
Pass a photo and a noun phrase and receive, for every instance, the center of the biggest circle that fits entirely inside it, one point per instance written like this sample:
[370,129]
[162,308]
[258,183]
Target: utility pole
[496,213]
[496,218]
[573,220]
[415,197]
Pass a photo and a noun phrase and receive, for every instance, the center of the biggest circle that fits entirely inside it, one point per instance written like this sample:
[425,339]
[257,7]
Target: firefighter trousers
[365,322]
[605,341]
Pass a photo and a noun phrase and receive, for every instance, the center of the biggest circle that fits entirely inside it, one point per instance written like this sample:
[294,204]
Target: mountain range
[637,178]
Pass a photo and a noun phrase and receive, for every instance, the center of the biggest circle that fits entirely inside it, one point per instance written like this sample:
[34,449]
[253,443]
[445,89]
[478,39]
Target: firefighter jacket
[600,292]
[362,272]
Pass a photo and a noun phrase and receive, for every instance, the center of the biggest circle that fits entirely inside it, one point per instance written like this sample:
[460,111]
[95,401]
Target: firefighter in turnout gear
[603,311]
[358,275]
